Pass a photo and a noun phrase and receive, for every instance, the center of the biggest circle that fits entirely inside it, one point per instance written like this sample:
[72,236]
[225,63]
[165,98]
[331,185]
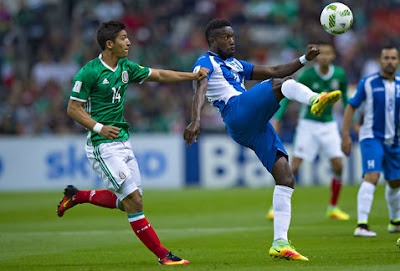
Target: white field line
[177,230]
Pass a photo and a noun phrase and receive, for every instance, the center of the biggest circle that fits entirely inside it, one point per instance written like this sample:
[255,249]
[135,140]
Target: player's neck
[324,69]
[109,59]
[387,76]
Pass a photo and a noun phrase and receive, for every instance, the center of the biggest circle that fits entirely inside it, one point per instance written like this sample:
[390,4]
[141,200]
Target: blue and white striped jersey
[225,79]
[380,101]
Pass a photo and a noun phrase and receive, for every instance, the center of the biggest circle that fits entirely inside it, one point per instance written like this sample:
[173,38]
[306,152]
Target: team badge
[122,175]
[125,77]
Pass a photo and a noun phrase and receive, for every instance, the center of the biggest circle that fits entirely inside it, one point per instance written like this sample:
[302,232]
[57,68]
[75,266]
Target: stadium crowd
[45,42]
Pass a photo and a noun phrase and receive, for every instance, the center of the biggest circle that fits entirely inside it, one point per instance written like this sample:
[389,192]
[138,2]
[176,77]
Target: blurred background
[45,42]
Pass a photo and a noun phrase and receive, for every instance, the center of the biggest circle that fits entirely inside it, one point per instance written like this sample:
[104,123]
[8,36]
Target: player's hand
[346,145]
[202,73]
[110,132]
[312,52]
[192,132]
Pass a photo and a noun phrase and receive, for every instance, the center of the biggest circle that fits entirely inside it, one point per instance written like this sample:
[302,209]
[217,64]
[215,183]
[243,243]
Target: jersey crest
[125,77]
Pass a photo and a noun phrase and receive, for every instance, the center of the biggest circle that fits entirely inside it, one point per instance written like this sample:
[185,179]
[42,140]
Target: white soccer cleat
[361,232]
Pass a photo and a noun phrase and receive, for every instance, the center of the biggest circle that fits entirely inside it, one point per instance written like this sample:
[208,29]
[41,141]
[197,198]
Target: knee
[287,180]
[133,204]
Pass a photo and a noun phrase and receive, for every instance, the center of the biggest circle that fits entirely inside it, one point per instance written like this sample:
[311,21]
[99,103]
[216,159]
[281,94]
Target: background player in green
[314,133]
[100,86]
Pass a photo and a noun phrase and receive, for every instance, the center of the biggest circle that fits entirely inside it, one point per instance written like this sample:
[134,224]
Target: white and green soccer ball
[336,18]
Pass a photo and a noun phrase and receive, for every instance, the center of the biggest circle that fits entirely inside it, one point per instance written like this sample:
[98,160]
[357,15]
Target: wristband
[97,127]
[303,59]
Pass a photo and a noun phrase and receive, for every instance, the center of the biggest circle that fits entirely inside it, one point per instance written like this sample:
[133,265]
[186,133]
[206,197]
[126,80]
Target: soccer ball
[336,18]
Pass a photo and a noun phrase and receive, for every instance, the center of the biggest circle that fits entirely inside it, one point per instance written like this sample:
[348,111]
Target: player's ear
[109,44]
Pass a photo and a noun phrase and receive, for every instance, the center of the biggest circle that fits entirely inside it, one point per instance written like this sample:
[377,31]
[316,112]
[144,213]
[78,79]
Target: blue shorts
[247,116]
[377,157]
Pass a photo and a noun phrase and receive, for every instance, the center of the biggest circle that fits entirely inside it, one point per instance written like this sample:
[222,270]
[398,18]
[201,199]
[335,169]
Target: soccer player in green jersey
[100,87]
[315,133]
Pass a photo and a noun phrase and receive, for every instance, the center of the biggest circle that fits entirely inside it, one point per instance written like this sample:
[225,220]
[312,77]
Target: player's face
[121,45]
[223,42]
[389,61]
[326,55]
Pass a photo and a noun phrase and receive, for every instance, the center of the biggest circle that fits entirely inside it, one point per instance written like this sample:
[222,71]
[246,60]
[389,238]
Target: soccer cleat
[270,214]
[363,231]
[171,259]
[323,100]
[392,228]
[337,213]
[68,200]
[398,243]
[282,249]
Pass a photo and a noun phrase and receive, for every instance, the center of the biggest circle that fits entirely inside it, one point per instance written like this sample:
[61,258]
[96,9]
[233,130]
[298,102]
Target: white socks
[365,197]
[393,201]
[297,91]
[281,203]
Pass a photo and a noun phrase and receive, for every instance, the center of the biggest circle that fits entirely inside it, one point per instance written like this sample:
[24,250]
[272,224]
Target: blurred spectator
[45,42]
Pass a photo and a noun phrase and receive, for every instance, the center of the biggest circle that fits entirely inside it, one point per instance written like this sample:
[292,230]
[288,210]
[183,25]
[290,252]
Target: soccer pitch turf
[213,229]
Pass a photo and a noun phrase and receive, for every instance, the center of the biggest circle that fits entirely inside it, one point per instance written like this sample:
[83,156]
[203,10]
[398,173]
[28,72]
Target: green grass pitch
[214,229]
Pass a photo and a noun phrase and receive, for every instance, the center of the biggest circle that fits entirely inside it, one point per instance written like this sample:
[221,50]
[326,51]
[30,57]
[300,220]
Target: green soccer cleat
[393,228]
[171,259]
[282,249]
[270,214]
[323,100]
[337,213]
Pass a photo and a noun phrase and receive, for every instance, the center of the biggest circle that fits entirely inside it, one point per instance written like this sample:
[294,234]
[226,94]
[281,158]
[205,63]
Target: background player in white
[246,114]
[379,97]
[100,86]
[315,133]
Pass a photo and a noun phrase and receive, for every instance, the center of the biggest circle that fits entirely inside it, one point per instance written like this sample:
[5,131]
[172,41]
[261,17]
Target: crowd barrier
[216,161]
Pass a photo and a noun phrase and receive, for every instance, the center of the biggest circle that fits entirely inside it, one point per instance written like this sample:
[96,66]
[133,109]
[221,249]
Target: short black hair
[108,31]
[213,25]
[388,47]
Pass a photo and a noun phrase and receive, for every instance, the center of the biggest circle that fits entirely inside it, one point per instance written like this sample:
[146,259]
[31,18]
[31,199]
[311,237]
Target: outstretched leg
[73,196]
[287,87]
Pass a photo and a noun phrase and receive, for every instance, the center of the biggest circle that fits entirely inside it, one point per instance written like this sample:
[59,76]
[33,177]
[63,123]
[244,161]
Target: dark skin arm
[280,71]
[192,131]
[76,112]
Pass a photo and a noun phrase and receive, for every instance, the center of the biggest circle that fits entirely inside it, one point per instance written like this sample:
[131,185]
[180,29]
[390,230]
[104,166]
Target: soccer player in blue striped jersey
[378,97]
[247,113]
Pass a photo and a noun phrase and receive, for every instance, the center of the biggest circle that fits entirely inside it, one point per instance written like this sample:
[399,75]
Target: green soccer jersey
[103,91]
[335,79]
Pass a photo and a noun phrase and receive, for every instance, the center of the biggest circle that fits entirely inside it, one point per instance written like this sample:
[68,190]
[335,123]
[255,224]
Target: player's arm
[168,76]
[280,71]
[347,121]
[192,131]
[76,112]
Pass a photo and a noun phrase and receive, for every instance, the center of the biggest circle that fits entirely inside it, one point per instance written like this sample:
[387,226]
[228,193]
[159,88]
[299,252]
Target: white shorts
[117,166]
[313,136]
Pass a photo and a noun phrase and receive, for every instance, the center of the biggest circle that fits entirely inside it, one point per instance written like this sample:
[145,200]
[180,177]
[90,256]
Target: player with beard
[378,96]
